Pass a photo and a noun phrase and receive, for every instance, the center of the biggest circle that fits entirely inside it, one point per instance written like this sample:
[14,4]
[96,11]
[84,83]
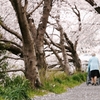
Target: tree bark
[41,63]
[72,49]
[29,54]
[64,53]
[32,40]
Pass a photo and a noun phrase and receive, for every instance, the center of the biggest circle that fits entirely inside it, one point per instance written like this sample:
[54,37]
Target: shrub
[15,89]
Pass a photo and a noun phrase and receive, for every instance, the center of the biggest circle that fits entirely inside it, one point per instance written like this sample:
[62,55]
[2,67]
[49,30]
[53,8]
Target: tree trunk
[72,49]
[29,55]
[41,63]
[33,40]
[64,54]
[76,61]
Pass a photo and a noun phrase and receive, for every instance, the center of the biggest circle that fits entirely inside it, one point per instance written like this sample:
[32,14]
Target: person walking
[93,65]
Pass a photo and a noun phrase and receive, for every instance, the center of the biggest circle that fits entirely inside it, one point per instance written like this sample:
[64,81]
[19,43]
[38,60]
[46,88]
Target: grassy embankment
[57,82]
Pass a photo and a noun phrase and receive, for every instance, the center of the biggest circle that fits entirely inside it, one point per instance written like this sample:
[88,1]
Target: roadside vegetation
[18,88]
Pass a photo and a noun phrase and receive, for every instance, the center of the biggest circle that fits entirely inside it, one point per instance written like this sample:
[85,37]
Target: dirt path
[82,92]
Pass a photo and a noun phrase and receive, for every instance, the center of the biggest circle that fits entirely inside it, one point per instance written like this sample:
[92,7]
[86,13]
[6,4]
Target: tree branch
[13,71]
[77,13]
[4,26]
[54,51]
[55,44]
[15,50]
[26,4]
[35,8]
[6,57]
[7,41]
[93,3]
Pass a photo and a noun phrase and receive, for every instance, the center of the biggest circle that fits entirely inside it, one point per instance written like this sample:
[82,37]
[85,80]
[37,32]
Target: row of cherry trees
[25,34]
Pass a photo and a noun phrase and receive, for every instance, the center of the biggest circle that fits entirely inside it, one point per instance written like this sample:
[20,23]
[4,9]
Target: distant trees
[66,45]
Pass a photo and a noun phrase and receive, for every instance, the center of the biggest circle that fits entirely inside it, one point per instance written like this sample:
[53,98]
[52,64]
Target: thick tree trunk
[39,57]
[41,63]
[33,40]
[31,71]
[29,54]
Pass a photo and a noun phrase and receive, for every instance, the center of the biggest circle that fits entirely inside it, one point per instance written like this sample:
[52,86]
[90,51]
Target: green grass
[15,89]
[58,83]
[18,87]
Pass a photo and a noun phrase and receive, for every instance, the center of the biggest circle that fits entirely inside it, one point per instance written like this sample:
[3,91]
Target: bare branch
[15,50]
[4,26]
[7,41]
[77,13]
[91,2]
[6,57]
[75,45]
[13,71]
[67,39]
[54,51]
[26,4]
[35,8]
[55,44]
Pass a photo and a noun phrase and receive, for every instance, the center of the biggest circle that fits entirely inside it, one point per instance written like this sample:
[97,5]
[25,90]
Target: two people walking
[93,66]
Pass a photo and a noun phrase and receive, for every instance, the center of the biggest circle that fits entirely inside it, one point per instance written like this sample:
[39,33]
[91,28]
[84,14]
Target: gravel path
[82,92]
